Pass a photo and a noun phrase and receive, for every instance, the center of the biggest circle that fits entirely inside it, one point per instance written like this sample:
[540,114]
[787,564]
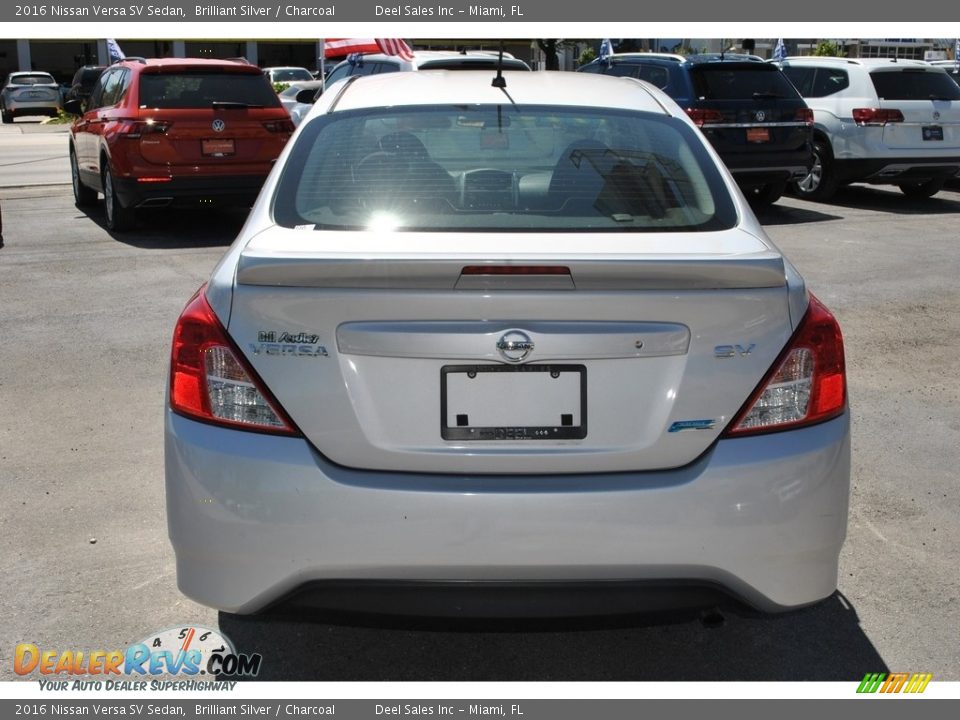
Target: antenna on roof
[500,81]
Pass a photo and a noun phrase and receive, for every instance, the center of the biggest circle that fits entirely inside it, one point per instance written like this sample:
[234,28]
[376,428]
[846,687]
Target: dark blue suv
[748,109]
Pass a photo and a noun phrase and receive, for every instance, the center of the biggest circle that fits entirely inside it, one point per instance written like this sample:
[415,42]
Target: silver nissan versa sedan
[504,350]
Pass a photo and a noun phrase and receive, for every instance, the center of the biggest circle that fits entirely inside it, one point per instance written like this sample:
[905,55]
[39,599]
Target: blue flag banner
[114,51]
[606,49]
[780,51]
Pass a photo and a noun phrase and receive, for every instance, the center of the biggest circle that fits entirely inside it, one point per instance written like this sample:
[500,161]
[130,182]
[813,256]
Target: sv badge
[729,351]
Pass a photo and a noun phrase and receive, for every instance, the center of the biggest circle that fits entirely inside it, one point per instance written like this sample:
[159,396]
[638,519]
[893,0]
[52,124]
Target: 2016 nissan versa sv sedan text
[517,343]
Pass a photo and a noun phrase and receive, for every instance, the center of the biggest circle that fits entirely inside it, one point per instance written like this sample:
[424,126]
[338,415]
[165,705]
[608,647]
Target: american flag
[395,46]
[336,47]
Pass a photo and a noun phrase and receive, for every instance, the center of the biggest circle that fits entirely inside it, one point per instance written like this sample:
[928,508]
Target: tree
[551,47]
[826,48]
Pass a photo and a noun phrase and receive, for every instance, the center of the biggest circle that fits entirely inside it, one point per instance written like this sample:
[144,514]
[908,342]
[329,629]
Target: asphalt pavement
[86,318]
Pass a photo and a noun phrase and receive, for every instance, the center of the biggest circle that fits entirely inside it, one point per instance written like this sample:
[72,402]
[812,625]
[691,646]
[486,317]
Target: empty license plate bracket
[513,402]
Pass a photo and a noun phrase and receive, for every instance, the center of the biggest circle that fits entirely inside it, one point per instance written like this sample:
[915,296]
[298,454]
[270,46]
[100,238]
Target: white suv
[878,121]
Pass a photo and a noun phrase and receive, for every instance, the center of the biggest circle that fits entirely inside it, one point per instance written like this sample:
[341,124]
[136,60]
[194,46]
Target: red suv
[174,131]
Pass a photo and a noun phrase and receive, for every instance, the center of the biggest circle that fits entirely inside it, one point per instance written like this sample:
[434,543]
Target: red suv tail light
[704,117]
[211,381]
[135,129]
[806,385]
[280,126]
[876,116]
[804,115]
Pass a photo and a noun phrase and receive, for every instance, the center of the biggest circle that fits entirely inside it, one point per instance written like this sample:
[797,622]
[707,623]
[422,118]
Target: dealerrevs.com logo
[183,651]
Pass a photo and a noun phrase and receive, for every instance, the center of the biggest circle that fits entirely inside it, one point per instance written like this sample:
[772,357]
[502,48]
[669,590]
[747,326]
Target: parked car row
[878,121]
[807,124]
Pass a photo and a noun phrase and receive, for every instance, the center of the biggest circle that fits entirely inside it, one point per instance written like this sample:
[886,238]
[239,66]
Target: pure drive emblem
[218,125]
[515,346]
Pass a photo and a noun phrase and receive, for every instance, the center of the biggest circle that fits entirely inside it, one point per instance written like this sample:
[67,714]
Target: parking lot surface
[86,319]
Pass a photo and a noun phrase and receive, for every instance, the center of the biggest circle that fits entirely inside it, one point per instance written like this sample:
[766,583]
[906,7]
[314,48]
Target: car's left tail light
[211,381]
[806,385]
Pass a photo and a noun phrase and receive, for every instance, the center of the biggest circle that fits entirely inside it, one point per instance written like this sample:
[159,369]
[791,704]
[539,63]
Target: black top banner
[943,12]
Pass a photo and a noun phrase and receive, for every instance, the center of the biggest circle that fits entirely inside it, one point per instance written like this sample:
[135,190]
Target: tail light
[804,115]
[704,117]
[806,385]
[876,116]
[211,381]
[280,126]
[135,129]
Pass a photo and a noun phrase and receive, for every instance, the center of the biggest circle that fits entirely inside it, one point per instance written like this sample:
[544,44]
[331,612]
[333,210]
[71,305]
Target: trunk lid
[403,361]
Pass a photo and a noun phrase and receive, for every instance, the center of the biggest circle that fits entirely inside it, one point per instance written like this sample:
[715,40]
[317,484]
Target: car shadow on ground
[782,214]
[176,228]
[823,642]
[889,199]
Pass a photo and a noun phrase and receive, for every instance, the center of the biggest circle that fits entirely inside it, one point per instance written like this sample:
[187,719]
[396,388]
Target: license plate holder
[758,135]
[513,402]
[217,147]
[932,132]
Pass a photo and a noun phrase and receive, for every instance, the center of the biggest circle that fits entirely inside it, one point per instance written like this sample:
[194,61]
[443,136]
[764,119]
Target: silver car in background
[521,341]
[29,93]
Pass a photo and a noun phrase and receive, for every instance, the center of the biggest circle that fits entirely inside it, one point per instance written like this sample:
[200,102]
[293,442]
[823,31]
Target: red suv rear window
[203,89]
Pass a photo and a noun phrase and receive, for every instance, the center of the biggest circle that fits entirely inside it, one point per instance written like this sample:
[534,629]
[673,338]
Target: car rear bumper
[754,169]
[895,170]
[32,107]
[189,191]
[255,518]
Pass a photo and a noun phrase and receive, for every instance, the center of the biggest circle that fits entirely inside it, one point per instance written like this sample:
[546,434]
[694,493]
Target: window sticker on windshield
[308,226]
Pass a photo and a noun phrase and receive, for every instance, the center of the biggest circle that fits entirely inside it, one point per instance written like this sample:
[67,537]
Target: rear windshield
[33,79]
[655,74]
[203,89]
[717,82]
[291,74]
[915,85]
[501,167]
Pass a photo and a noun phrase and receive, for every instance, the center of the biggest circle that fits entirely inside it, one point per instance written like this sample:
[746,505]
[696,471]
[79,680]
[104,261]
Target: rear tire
[119,218]
[922,190]
[7,116]
[821,183]
[82,195]
[767,194]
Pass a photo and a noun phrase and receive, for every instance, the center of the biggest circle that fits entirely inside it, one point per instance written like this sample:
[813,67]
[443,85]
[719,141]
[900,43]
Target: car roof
[194,63]
[522,87]
[691,59]
[22,73]
[426,57]
[867,63]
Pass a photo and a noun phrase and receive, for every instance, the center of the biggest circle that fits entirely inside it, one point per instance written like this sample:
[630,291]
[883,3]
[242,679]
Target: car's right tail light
[804,115]
[876,116]
[806,385]
[211,381]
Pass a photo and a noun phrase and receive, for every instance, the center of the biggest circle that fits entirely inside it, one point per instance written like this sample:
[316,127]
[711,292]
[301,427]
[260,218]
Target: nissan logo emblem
[218,125]
[936,114]
[515,346]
